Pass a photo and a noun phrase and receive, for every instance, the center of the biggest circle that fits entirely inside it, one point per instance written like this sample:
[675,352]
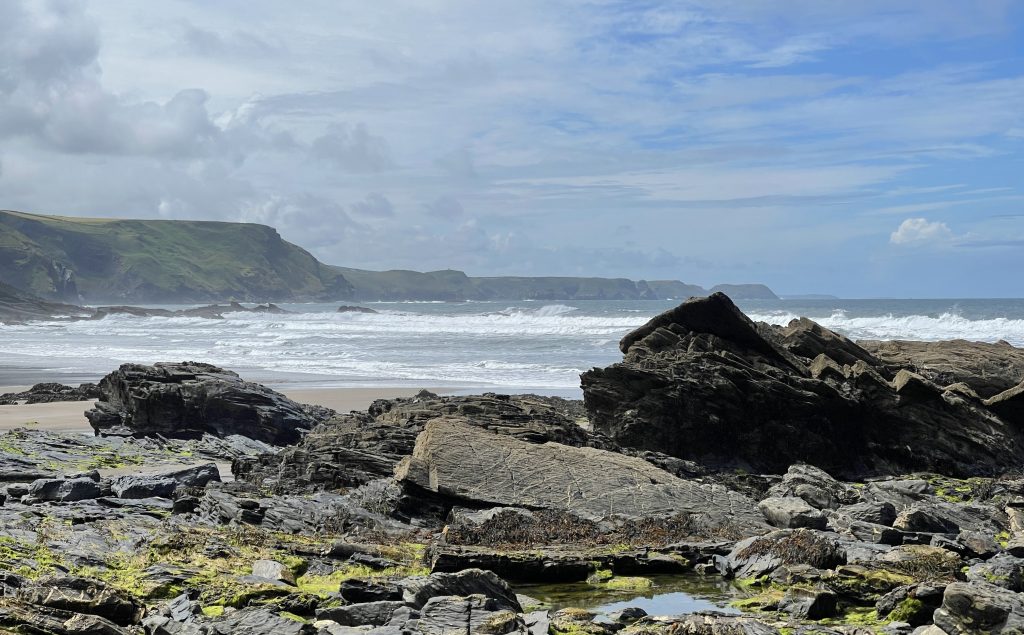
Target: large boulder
[703,382]
[980,607]
[190,399]
[468,464]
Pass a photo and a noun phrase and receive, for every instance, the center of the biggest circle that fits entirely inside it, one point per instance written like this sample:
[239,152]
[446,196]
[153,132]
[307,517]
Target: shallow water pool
[670,595]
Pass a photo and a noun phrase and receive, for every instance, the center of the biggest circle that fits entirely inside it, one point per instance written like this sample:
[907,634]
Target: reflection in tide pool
[670,595]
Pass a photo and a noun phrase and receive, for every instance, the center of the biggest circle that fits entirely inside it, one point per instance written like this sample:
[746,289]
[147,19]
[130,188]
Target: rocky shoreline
[835,487]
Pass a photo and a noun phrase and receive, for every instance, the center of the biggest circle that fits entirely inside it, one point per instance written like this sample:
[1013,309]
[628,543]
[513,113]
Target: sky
[863,149]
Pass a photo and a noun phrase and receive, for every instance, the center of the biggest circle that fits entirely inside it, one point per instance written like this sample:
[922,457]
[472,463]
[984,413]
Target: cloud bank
[705,141]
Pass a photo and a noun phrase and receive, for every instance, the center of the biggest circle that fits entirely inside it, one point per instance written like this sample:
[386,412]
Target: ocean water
[473,346]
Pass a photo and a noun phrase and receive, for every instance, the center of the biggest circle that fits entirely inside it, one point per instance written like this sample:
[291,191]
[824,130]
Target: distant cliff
[104,260]
[92,260]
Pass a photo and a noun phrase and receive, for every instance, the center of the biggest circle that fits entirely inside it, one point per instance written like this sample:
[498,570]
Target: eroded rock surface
[189,399]
[703,382]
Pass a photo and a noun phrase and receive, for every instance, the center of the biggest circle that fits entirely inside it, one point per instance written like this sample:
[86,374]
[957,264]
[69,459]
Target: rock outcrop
[189,399]
[703,382]
[476,466]
[987,368]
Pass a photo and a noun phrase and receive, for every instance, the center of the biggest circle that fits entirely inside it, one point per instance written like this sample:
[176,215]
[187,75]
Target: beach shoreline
[69,416]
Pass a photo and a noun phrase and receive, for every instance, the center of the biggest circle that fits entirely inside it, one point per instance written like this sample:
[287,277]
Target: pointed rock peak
[715,314]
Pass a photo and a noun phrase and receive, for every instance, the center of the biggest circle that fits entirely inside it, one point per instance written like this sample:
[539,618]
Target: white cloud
[921,231]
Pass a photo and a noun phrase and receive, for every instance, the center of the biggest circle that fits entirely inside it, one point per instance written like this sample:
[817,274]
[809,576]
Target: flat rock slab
[456,459]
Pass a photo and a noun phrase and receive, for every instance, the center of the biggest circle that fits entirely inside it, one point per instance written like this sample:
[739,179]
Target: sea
[500,346]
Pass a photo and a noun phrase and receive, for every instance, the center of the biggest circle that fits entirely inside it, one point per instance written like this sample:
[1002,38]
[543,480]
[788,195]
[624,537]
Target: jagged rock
[1009,404]
[809,603]
[82,595]
[791,512]
[257,621]
[919,518]
[702,382]
[627,615]
[876,513]
[359,448]
[355,309]
[1003,570]
[913,604]
[465,463]
[51,392]
[190,399]
[814,485]
[444,615]
[64,490]
[358,591]
[979,607]
[987,368]
[143,487]
[367,613]
[758,556]
[417,590]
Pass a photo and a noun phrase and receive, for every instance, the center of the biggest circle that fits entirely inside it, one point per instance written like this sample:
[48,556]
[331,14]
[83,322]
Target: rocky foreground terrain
[837,488]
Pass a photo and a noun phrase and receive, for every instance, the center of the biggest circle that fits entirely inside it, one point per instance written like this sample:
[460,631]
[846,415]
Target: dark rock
[1009,404]
[913,604]
[627,615]
[758,556]
[355,309]
[358,591]
[51,392]
[919,518]
[418,590]
[366,613]
[702,382]
[1003,570]
[473,614]
[878,513]
[979,607]
[64,490]
[190,399]
[197,476]
[814,485]
[82,595]
[258,621]
[143,487]
[359,448]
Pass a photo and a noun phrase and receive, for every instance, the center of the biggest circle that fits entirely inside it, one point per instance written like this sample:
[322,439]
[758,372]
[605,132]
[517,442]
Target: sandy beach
[69,416]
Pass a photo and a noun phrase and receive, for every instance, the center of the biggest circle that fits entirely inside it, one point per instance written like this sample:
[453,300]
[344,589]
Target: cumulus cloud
[921,231]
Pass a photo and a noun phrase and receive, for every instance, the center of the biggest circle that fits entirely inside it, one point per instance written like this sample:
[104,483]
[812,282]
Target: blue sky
[858,148]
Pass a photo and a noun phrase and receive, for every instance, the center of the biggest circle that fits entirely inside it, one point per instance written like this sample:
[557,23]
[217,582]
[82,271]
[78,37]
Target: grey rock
[143,487]
[979,607]
[462,461]
[1003,570]
[274,571]
[791,513]
[809,603]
